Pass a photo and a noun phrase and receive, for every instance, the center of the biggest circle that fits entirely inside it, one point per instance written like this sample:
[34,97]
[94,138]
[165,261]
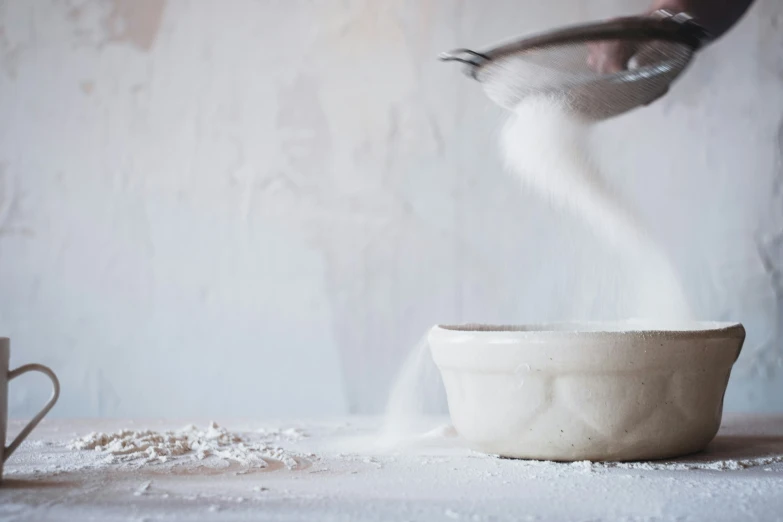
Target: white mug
[5,376]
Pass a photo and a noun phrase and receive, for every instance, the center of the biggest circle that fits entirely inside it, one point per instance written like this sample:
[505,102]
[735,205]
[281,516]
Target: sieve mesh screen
[566,70]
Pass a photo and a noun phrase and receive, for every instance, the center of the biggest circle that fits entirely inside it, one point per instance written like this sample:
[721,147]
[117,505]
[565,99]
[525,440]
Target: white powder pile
[190,444]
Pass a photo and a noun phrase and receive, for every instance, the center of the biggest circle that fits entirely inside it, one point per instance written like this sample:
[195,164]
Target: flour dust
[414,420]
[546,147]
[416,396]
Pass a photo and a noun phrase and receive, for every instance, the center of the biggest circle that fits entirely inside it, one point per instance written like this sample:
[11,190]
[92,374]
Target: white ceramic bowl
[593,391]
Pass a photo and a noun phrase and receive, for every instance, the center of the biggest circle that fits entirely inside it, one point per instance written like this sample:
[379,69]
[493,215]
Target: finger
[592,61]
[608,57]
[612,59]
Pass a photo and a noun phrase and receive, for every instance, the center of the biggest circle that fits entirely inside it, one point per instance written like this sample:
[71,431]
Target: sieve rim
[635,28]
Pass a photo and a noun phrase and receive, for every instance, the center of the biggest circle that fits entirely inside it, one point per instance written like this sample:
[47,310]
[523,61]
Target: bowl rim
[591,330]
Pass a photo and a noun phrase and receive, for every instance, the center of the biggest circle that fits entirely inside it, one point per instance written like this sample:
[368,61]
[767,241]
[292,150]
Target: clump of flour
[189,444]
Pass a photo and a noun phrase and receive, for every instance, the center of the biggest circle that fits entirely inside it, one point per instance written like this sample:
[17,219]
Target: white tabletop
[740,477]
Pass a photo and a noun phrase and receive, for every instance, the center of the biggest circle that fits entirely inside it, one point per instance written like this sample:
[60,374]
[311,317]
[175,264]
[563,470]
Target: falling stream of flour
[417,393]
[545,146]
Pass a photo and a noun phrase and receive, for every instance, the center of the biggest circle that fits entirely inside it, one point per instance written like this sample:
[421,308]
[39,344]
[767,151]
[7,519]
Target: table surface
[739,477]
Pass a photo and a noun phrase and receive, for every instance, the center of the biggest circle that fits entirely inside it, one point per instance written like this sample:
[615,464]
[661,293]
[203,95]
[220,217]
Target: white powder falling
[546,147]
[406,408]
[416,395]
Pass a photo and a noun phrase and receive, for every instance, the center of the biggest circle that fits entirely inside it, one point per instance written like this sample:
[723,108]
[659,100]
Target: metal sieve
[655,50]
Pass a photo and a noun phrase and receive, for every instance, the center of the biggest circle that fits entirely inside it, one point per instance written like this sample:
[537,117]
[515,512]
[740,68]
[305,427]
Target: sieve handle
[465,56]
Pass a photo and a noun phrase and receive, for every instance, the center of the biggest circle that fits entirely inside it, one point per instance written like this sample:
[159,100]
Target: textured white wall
[257,207]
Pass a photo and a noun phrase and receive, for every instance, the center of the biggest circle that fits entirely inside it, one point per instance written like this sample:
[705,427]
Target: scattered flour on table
[695,464]
[704,465]
[215,444]
[287,435]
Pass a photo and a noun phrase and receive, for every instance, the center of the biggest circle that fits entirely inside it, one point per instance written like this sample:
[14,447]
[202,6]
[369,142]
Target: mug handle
[34,422]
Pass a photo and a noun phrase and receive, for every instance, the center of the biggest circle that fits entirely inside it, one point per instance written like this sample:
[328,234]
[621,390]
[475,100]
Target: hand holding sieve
[561,63]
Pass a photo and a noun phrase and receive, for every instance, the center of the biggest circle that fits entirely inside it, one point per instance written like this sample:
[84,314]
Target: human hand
[716,16]
[612,56]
